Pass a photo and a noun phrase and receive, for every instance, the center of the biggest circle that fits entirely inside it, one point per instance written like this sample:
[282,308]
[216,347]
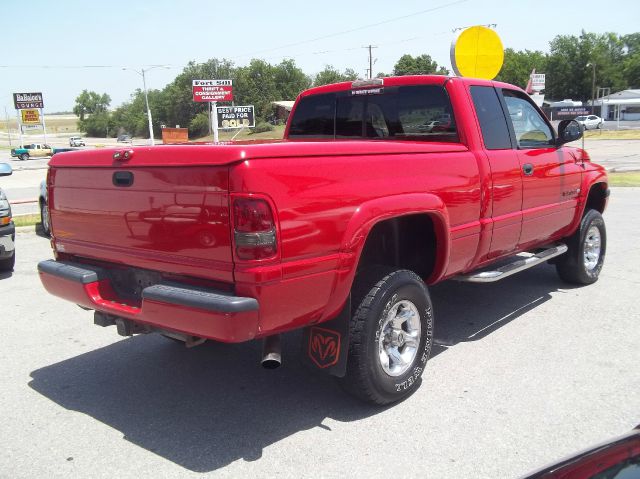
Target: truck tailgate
[164,218]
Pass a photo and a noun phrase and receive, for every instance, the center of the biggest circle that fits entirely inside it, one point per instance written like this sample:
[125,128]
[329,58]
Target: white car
[589,122]
[76,141]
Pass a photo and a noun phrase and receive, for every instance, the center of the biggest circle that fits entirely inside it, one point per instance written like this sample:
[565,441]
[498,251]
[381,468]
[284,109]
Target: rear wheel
[583,261]
[44,218]
[390,335]
[24,156]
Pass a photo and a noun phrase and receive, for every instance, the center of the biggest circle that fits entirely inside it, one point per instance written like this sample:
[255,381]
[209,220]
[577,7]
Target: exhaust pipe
[272,352]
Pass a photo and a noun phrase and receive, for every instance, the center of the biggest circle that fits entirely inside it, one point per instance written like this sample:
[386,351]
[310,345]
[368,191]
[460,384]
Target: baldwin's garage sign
[236,116]
[212,90]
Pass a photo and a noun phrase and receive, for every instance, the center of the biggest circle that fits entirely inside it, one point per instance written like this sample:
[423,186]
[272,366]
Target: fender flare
[368,214]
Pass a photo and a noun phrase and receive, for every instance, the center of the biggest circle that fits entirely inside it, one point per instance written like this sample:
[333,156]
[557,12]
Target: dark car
[124,139]
[618,458]
[7,228]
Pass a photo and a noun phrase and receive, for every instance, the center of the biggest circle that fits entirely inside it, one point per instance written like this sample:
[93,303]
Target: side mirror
[568,130]
[5,169]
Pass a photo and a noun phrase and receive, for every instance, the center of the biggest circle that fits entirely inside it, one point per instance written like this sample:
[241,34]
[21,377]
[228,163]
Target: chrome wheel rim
[592,242]
[399,338]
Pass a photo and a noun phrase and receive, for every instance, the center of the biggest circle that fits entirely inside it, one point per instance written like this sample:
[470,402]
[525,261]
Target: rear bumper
[186,309]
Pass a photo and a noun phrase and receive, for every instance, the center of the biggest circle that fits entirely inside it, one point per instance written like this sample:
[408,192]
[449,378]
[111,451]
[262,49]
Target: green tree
[92,111]
[90,102]
[255,85]
[518,65]
[420,65]
[570,60]
[290,80]
[333,75]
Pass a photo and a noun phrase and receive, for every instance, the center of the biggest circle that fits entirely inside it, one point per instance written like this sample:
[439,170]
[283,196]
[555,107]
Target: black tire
[7,264]
[576,267]
[376,294]
[44,218]
[24,156]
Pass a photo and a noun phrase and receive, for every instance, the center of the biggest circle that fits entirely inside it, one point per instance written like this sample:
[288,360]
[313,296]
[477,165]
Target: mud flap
[325,346]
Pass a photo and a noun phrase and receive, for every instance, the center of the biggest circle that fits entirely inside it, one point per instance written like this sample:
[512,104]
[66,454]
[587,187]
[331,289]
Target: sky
[60,48]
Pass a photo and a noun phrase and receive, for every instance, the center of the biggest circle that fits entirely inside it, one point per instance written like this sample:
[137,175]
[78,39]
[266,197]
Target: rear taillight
[254,229]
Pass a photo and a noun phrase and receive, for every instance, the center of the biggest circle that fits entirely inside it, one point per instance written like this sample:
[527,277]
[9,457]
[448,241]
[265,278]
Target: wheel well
[405,242]
[597,198]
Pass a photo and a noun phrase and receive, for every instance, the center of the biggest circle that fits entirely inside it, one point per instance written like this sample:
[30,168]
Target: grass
[612,134]
[55,124]
[625,178]
[277,133]
[27,220]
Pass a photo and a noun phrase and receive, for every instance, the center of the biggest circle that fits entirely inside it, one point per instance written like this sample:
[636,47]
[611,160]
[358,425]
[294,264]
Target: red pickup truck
[337,229]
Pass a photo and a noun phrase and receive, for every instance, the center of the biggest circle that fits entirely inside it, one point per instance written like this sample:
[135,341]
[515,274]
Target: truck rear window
[421,112]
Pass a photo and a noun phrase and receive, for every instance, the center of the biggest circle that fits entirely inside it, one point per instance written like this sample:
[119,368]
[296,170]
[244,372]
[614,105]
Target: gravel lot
[525,371]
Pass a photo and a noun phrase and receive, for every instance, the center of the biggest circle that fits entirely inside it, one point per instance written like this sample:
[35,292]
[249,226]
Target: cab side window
[531,130]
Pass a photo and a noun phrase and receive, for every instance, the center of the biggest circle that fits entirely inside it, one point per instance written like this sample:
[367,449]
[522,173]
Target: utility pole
[6,115]
[370,48]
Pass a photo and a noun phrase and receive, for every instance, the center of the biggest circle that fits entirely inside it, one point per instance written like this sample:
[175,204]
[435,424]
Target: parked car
[589,122]
[124,139]
[7,228]
[44,208]
[34,149]
[76,141]
[618,458]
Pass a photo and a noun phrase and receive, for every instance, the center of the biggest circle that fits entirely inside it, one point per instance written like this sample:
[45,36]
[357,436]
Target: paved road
[525,371]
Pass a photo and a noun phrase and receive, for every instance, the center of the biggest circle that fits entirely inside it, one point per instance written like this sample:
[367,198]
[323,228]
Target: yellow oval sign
[477,53]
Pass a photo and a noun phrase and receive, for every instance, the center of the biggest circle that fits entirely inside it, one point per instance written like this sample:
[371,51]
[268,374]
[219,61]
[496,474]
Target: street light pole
[146,100]
[146,97]
[593,88]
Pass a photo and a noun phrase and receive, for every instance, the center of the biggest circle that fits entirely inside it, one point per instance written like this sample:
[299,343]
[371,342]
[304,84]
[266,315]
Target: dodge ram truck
[337,229]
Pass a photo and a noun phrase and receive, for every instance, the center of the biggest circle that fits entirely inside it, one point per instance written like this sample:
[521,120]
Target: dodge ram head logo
[324,347]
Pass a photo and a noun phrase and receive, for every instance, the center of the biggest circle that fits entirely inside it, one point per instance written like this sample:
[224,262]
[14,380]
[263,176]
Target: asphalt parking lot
[524,372]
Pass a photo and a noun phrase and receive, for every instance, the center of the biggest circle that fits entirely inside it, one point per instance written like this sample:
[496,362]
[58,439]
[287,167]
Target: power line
[344,32]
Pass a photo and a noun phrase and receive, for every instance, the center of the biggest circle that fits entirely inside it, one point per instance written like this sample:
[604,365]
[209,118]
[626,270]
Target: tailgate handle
[123,178]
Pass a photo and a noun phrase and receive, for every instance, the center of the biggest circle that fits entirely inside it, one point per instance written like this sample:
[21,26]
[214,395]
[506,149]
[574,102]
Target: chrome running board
[512,268]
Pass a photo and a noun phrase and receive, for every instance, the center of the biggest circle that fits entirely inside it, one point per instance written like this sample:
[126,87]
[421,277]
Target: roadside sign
[236,116]
[28,100]
[212,90]
[537,81]
[30,116]
[32,127]
[477,52]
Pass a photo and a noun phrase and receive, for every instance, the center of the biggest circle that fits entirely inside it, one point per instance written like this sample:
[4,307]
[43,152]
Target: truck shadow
[207,407]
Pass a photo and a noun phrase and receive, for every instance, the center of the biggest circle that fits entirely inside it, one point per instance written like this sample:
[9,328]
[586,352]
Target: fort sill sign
[212,91]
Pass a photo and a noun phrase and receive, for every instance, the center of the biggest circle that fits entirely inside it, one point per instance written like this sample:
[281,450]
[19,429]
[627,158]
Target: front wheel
[390,336]
[582,263]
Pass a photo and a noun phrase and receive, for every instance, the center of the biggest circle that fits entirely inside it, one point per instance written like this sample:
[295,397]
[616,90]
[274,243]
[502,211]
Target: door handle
[527,168]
